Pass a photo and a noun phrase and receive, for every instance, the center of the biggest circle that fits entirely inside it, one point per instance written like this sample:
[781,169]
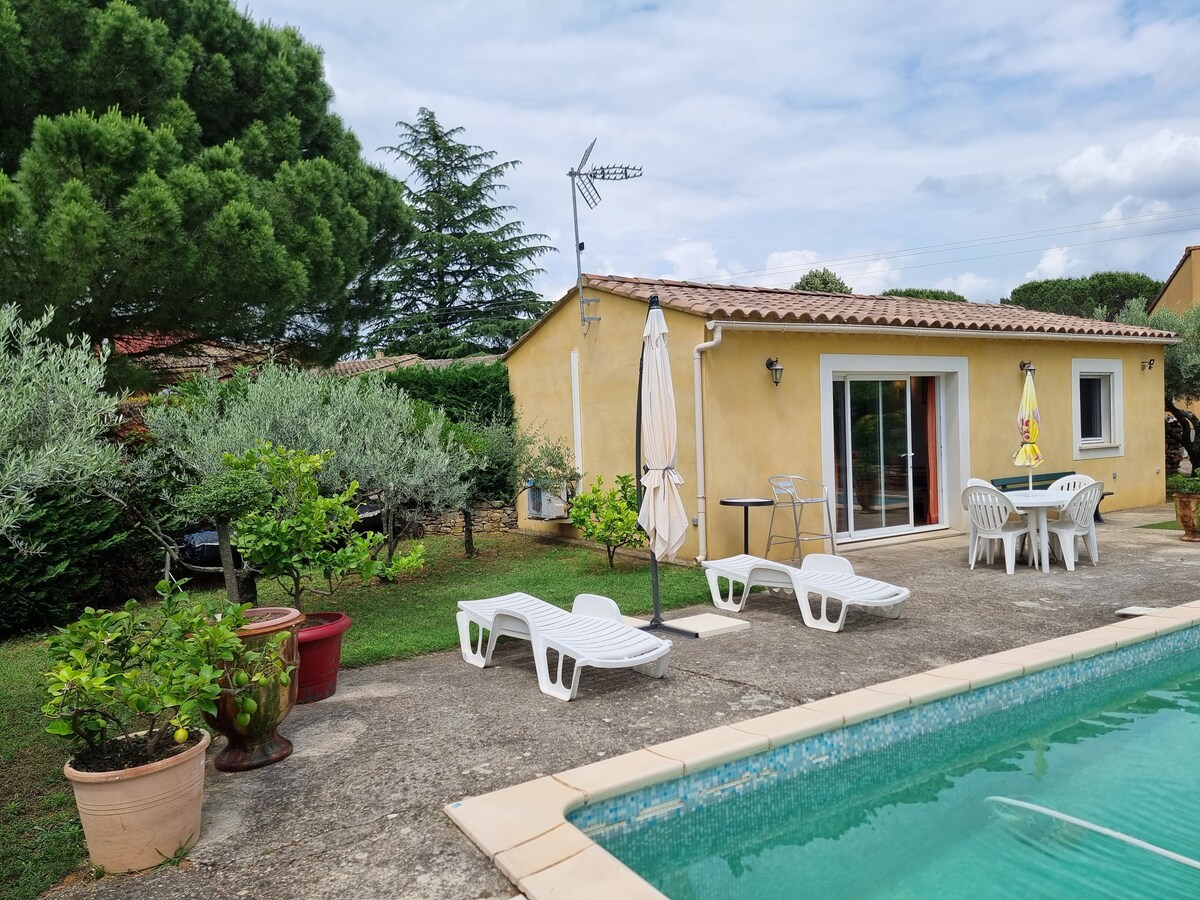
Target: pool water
[946,813]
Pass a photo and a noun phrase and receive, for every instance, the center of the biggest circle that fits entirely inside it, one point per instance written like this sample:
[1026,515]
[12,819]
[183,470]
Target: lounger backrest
[1083,505]
[597,606]
[989,509]
[824,562]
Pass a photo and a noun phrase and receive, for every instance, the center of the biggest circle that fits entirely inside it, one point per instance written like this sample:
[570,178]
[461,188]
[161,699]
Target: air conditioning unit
[544,505]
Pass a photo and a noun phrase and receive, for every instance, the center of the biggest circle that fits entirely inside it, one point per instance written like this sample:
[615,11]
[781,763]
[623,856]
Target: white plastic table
[1035,504]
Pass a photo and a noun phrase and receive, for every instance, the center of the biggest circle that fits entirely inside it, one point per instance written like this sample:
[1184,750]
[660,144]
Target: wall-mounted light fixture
[1027,366]
[1147,364]
[776,370]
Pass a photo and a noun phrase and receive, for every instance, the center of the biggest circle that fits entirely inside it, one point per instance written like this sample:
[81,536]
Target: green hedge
[466,392]
[88,557]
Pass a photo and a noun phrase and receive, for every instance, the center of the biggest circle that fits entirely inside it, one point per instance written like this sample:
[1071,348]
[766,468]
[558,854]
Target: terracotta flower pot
[257,743]
[1186,511]
[321,654]
[136,818]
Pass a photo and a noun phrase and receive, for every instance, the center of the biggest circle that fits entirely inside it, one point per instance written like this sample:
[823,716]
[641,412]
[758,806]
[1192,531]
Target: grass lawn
[40,837]
[1172,525]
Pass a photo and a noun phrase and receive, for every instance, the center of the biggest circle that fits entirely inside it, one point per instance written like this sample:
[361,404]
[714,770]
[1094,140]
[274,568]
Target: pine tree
[823,280]
[463,285]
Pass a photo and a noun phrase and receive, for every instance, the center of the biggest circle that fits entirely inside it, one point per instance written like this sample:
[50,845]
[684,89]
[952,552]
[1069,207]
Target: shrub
[1183,484]
[85,547]
[304,541]
[465,392]
[609,517]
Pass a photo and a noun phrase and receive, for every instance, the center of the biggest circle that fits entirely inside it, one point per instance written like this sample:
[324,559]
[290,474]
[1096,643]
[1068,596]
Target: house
[381,363]
[891,402]
[172,358]
[1182,289]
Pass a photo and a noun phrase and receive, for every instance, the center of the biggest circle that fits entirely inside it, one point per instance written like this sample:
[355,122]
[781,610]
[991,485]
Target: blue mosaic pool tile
[669,799]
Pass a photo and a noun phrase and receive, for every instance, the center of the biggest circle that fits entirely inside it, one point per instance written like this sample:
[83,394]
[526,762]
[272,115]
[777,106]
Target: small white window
[1096,406]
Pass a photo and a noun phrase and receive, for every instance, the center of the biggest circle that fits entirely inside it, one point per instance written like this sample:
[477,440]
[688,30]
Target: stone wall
[489,518]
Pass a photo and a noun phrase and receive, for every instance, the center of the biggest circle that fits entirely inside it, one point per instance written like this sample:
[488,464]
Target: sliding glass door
[885,453]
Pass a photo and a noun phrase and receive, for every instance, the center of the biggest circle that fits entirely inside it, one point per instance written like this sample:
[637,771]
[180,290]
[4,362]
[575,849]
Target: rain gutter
[838,328]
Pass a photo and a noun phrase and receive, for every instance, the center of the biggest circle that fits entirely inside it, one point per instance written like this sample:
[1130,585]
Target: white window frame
[1111,372]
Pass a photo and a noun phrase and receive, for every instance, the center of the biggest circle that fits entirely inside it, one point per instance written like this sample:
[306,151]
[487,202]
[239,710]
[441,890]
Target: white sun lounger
[829,577]
[592,634]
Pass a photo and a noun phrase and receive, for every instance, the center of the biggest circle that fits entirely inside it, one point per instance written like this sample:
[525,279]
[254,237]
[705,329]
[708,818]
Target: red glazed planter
[321,655]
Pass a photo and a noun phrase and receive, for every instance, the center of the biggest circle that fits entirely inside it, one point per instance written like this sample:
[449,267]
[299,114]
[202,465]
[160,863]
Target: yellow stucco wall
[539,372]
[754,429]
[1182,292]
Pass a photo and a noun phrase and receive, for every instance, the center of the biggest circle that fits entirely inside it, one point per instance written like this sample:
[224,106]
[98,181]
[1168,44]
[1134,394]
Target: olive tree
[53,417]
[1181,371]
[398,450]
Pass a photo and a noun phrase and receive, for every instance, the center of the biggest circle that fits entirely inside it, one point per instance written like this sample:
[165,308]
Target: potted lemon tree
[129,687]
[1186,489]
[306,542]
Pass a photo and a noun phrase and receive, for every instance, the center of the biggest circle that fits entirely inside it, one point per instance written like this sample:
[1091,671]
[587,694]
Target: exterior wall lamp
[1147,364]
[776,370]
[1027,366]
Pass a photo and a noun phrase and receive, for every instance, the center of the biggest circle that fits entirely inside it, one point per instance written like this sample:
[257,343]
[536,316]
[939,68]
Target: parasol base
[704,625]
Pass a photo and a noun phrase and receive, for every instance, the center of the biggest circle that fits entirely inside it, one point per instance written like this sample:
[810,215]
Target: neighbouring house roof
[351,367]
[1187,251]
[152,350]
[765,304]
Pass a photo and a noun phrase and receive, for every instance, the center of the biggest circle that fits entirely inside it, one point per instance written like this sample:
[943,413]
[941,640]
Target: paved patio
[356,811]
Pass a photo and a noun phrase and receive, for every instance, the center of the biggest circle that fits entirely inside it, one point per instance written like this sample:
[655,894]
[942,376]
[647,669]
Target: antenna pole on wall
[584,181]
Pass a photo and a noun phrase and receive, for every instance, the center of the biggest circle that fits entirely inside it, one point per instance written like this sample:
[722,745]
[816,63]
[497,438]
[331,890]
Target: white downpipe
[701,518]
[576,418]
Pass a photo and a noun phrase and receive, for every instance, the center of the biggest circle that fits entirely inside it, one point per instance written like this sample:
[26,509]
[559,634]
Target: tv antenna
[584,181]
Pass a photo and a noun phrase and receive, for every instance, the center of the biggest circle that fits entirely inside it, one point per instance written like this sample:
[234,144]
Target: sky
[951,144]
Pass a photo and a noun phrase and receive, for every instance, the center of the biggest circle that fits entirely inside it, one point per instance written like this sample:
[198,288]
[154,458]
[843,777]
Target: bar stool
[792,494]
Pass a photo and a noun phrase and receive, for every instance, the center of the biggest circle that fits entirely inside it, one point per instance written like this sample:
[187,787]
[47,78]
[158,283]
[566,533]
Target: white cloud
[972,286]
[1164,160]
[695,261]
[1131,207]
[850,129]
[1054,263]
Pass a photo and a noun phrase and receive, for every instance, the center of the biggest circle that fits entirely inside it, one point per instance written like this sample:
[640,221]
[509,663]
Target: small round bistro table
[745,503]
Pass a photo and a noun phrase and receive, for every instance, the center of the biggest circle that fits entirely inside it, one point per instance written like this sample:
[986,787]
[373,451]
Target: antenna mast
[584,181]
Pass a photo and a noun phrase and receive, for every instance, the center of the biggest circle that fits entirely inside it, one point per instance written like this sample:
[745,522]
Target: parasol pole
[656,622]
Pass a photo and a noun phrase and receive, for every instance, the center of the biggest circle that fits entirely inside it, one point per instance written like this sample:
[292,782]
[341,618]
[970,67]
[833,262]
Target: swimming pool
[853,764]
[988,794]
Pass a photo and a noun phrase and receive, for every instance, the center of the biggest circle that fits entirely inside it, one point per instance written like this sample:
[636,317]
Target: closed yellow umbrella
[1028,424]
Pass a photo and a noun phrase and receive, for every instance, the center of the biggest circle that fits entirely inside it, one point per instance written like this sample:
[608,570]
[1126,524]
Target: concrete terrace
[356,811]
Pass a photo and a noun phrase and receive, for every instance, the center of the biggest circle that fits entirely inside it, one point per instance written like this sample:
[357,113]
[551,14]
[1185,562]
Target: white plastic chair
[1078,520]
[1069,483]
[976,482]
[995,518]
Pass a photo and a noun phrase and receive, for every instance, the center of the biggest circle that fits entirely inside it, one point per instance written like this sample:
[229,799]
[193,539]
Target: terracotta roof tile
[763,304]
[349,367]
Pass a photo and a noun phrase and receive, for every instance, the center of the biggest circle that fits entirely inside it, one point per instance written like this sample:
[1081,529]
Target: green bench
[1041,481]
